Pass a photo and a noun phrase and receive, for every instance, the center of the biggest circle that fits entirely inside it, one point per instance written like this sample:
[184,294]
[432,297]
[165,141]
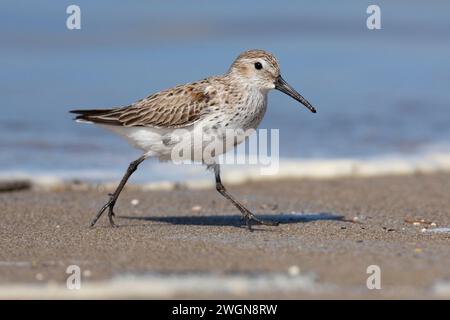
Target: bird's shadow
[236,220]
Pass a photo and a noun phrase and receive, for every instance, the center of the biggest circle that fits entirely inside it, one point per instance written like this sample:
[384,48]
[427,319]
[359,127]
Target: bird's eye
[258,65]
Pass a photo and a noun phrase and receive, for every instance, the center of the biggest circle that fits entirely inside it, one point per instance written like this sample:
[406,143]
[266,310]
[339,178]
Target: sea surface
[380,94]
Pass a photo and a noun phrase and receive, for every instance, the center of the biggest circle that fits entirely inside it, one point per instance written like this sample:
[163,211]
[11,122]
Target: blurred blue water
[377,92]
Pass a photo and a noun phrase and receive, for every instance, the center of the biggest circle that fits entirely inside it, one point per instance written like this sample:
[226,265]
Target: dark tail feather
[96,116]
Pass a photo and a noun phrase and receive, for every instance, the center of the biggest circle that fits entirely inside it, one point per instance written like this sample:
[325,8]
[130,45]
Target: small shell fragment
[294,270]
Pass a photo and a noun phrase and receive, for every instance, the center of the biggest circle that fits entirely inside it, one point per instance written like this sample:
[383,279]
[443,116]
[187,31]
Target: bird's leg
[248,216]
[113,196]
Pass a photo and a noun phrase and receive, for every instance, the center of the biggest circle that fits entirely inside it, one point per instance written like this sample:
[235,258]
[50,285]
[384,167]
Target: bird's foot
[110,206]
[250,219]
[111,214]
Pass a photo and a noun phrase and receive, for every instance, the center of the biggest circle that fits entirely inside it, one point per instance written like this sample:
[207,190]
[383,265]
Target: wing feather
[177,107]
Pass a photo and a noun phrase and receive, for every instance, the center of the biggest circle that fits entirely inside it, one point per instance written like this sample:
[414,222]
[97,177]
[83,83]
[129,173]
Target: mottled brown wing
[173,108]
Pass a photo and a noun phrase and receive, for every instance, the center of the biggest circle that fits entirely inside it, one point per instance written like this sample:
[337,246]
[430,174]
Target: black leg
[113,196]
[247,215]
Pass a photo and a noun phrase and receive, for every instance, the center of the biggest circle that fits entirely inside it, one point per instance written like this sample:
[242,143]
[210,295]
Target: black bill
[284,87]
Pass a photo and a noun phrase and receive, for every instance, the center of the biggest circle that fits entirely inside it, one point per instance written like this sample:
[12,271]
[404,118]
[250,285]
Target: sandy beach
[192,242]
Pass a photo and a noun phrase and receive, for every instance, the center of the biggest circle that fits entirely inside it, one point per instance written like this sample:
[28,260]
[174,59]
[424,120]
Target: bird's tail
[95,116]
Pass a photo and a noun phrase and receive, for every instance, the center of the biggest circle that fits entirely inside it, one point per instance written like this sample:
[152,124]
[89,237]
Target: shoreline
[196,176]
[57,185]
[12,184]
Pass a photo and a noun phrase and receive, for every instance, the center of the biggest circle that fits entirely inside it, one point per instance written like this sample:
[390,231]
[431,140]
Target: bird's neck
[244,84]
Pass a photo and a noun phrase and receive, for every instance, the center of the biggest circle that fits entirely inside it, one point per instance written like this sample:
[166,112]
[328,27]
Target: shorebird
[157,124]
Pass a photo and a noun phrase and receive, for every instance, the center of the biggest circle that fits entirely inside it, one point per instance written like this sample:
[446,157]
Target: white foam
[166,176]
[340,167]
[335,168]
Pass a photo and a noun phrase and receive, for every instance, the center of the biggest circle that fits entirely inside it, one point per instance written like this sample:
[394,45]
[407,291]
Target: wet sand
[196,234]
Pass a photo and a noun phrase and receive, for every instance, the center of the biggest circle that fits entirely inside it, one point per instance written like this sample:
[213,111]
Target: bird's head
[260,68]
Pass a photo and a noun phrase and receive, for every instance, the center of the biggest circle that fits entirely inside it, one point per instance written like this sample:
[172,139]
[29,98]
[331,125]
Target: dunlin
[158,123]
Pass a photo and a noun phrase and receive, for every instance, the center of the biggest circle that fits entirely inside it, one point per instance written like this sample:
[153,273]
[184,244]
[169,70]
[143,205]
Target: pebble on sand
[294,270]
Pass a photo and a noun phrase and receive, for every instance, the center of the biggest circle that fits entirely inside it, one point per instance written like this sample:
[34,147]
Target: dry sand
[191,243]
